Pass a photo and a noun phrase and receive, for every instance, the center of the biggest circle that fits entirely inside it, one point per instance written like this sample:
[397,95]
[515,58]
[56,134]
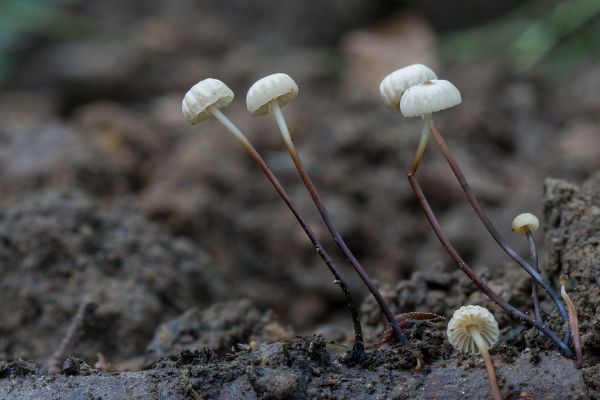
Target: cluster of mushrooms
[416,92]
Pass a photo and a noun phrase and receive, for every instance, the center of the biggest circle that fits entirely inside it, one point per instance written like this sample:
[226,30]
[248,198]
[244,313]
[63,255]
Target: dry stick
[358,350]
[329,223]
[487,222]
[73,334]
[512,311]
[573,321]
[534,288]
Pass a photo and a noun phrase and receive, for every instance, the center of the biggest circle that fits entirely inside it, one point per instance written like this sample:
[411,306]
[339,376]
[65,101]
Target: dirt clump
[58,248]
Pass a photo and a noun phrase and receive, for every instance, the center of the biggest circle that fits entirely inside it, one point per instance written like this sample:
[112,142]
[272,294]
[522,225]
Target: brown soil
[202,284]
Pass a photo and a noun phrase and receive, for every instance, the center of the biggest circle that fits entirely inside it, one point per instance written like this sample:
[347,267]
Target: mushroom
[473,329]
[395,84]
[206,98]
[424,99]
[526,224]
[270,94]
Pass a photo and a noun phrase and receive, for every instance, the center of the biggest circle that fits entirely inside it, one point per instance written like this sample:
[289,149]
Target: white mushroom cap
[524,223]
[428,97]
[393,86]
[279,87]
[466,316]
[206,93]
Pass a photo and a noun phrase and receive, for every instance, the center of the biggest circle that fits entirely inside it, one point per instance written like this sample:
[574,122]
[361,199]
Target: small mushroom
[524,223]
[428,97]
[422,100]
[270,94]
[203,98]
[277,89]
[473,329]
[395,84]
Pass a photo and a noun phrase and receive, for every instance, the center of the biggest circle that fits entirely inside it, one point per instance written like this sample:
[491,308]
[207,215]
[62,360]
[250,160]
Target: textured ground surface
[189,256]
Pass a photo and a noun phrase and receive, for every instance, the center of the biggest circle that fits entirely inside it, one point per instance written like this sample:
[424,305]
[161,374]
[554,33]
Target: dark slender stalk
[512,311]
[496,234]
[358,353]
[331,227]
[534,288]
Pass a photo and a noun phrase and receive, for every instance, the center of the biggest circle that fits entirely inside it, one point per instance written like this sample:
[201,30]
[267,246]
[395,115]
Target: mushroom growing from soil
[473,329]
[269,95]
[206,99]
[526,224]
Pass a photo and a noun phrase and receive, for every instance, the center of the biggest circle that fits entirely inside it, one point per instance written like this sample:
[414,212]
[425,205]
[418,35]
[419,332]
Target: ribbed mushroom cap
[393,86]
[279,87]
[524,223]
[466,316]
[428,97]
[206,93]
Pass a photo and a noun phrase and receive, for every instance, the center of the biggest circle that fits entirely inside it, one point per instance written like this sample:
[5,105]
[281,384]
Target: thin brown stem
[358,353]
[489,364]
[491,228]
[509,309]
[534,286]
[331,227]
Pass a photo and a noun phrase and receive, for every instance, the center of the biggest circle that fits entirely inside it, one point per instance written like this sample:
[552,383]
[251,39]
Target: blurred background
[90,106]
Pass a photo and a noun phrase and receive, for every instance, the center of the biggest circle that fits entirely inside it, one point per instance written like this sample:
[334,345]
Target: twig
[86,307]
[573,322]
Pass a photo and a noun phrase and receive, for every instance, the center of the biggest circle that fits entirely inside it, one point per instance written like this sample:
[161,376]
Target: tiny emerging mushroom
[473,329]
[526,224]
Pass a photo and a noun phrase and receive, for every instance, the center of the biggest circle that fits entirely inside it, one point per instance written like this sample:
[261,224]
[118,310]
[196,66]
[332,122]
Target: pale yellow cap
[524,223]
[466,316]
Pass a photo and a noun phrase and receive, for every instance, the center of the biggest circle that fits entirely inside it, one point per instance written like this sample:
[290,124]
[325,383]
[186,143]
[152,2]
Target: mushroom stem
[491,228]
[534,288]
[489,365]
[510,310]
[358,352]
[422,143]
[276,109]
[573,321]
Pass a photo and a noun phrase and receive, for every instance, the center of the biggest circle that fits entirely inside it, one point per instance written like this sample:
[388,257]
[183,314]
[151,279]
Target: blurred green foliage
[22,19]
[554,35]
